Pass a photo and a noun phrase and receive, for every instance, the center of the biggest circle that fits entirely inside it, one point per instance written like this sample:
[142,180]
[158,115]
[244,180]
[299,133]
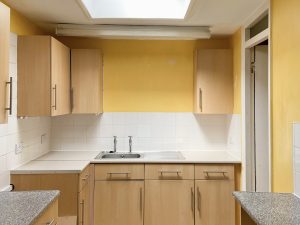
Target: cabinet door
[118,202]
[60,78]
[86,81]
[213,82]
[169,202]
[84,206]
[214,202]
[4,58]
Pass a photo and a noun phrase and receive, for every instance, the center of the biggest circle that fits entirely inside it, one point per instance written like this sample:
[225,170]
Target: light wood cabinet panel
[43,77]
[49,216]
[213,82]
[214,202]
[4,60]
[84,205]
[119,172]
[214,171]
[169,202]
[87,81]
[118,202]
[67,184]
[169,171]
[60,79]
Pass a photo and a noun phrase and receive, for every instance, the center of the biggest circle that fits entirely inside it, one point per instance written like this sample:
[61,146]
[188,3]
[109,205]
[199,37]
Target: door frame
[247,137]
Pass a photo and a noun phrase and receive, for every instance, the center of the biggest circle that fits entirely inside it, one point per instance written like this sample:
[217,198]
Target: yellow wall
[285,35]
[21,25]
[147,76]
[236,45]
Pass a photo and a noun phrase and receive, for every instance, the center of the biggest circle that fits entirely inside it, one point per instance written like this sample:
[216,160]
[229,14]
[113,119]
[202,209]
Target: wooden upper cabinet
[213,82]
[43,77]
[87,76]
[4,60]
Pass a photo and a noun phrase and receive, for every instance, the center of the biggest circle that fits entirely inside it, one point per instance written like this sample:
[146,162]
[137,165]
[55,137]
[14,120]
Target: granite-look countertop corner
[270,208]
[24,208]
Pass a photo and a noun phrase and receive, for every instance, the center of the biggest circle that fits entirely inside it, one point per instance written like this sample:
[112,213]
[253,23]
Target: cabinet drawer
[84,178]
[119,172]
[169,171]
[214,172]
[50,216]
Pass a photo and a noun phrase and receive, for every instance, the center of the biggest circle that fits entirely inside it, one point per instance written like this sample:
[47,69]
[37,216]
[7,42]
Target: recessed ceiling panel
[136,9]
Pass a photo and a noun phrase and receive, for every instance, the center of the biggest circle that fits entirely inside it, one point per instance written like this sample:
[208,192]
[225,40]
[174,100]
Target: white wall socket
[19,148]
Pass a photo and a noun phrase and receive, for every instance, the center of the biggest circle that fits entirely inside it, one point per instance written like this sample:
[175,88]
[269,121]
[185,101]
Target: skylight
[137,9]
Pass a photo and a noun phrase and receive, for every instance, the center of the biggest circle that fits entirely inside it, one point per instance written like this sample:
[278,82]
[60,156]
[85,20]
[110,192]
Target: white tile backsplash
[27,131]
[150,131]
[296,157]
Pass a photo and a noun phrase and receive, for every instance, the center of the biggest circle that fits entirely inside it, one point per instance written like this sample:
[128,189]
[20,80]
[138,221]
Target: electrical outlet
[19,148]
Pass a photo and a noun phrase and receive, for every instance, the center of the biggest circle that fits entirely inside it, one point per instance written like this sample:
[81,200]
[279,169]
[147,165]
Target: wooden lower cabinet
[84,205]
[214,202]
[118,202]
[50,216]
[169,202]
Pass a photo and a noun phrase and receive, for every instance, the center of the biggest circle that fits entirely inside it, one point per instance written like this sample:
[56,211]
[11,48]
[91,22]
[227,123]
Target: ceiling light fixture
[136,9]
[134,32]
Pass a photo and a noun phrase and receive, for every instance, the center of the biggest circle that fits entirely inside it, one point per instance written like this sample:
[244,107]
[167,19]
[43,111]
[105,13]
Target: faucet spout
[115,143]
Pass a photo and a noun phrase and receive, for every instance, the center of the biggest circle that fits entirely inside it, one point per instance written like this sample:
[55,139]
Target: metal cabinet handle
[199,201]
[85,178]
[10,83]
[72,99]
[162,172]
[200,100]
[192,200]
[82,212]
[51,222]
[110,174]
[55,97]
[141,201]
[216,172]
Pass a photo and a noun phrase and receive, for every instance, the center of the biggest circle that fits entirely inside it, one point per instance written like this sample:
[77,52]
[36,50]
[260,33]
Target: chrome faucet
[115,143]
[130,144]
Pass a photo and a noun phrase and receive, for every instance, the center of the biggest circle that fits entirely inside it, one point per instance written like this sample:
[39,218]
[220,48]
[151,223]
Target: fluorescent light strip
[134,32]
[136,9]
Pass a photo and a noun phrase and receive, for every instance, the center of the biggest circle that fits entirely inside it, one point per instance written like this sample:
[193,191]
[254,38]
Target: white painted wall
[296,147]
[27,131]
[150,131]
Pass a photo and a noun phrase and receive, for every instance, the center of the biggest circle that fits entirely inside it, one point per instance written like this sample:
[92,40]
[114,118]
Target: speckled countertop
[23,208]
[270,208]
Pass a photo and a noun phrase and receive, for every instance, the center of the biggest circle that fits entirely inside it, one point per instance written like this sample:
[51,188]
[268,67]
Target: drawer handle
[85,178]
[162,172]
[51,222]
[119,173]
[215,172]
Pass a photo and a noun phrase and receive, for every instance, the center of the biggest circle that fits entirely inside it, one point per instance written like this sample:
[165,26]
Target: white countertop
[76,161]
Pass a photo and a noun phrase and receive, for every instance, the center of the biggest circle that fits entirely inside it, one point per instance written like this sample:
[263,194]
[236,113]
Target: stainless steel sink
[118,155]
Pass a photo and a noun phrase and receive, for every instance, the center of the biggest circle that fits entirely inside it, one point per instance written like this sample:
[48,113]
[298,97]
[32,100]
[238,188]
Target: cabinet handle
[51,222]
[141,201]
[200,100]
[85,178]
[82,212]
[192,200]
[55,90]
[72,99]
[162,172]
[10,83]
[216,172]
[199,201]
[110,174]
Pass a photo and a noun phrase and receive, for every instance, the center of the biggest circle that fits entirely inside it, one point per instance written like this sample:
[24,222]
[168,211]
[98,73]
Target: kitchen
[115,118]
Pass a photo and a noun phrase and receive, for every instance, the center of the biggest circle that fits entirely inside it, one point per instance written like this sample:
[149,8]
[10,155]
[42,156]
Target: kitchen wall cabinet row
[54,80]
[5,83]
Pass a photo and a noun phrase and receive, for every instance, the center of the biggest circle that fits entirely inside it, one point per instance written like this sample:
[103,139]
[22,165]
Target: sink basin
[118,156]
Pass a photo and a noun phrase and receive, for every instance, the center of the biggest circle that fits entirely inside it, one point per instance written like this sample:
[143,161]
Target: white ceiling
[223,16]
